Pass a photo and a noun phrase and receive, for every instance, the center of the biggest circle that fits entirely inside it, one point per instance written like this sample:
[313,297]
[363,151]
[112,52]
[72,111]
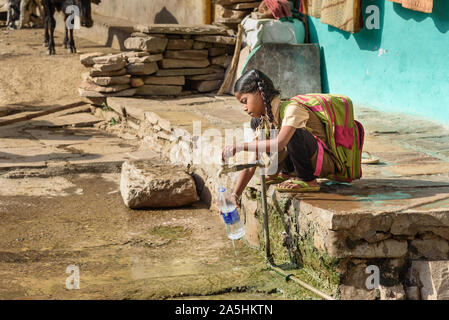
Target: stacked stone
[164,60]
[108,76]
[194,59]
[230,13]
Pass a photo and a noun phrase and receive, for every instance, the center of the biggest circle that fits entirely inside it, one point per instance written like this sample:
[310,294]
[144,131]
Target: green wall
[401,67]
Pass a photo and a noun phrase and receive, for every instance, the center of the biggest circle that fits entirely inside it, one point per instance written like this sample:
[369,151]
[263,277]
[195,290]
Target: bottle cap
[221,189]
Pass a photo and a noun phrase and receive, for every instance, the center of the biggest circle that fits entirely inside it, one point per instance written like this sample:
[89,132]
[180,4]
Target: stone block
[97,73]
[106,81]
[147,185]
[223,61]
[141,69]
[189,71]
[206,85]
[184,63]
[116,66]
[187,54]
[156,90]
[179,44]
[432,249]
[137,82]
[146,59]
[170,81]
[149,44]
[109,59]
[86,59]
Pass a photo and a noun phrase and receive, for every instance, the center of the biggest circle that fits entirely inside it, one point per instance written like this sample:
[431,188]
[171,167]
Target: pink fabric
[319,160]
[344,136]
[279,8]
[328,110]
[316,108]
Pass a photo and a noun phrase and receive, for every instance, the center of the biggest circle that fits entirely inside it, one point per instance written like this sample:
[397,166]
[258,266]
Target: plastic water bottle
[234,226]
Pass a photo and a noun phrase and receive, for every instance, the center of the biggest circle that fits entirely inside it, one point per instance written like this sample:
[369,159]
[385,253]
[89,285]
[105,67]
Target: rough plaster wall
[153,11]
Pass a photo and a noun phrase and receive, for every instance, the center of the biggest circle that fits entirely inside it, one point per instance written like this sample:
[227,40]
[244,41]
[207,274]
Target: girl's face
[252,103]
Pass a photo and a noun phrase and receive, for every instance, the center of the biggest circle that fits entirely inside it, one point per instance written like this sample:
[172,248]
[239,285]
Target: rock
[109,59]
[136,82]
[109,89]
[187,54]
[147,185]
[222,61]
[432,277]
[180,29]
[179,44]
[185,72]
[140,69]
[94,94]
[109,67]
[150,44]
[87,58]
[155,90]
[155,120]
[134,54]
[412,293]
[198,45]
[392,293]
[206,85]
[184,63]
[97,73]
[212,76]
[216,39]
[213,52]
[222,12]
[433,249]
[145,59]
[106,81]
[171,81]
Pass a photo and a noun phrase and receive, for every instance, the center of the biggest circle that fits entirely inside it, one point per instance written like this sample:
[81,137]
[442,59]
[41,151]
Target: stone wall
[339,247]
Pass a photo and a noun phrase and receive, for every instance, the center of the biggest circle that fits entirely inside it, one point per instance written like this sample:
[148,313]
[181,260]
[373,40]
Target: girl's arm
[243,179]
[272,145]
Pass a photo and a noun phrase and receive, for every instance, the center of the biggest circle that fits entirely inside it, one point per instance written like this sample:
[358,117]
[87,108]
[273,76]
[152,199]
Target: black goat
[50,6]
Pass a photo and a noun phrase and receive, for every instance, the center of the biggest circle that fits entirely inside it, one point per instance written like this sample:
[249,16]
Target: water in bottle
[234,226]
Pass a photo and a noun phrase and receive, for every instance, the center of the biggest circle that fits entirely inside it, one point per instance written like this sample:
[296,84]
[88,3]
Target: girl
[295,142]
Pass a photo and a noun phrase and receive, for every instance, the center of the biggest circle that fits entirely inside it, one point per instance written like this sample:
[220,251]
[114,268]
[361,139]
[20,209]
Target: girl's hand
[228,152]
[235,200]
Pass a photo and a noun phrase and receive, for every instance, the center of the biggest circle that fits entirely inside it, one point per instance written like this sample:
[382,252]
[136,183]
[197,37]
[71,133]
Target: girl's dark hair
[254,80]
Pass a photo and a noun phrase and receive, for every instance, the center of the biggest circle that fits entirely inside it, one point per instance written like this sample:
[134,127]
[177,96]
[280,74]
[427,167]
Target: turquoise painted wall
[402,67]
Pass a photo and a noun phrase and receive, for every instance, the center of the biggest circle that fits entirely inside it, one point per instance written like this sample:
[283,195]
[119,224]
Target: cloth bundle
[345,15]
[279,8]
[417,5]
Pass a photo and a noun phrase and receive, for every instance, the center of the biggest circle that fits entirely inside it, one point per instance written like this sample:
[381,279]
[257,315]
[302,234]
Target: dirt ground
[29,77]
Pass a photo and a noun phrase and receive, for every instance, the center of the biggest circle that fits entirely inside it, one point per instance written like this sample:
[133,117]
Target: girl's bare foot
[289,185]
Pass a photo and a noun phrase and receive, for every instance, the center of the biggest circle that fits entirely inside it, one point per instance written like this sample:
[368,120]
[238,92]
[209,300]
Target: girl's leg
[301,148]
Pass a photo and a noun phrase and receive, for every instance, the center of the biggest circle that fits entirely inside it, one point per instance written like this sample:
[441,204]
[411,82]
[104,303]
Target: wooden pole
[235,61]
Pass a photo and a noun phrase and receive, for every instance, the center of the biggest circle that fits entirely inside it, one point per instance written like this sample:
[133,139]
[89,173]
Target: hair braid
[261,86]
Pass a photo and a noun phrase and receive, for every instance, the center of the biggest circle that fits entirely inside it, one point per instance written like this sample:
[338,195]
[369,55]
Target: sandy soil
[29,77]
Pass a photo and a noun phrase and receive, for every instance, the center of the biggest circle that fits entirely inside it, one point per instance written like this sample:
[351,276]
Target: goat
[50,6]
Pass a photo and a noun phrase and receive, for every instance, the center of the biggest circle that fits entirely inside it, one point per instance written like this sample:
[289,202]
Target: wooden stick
[235,60]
